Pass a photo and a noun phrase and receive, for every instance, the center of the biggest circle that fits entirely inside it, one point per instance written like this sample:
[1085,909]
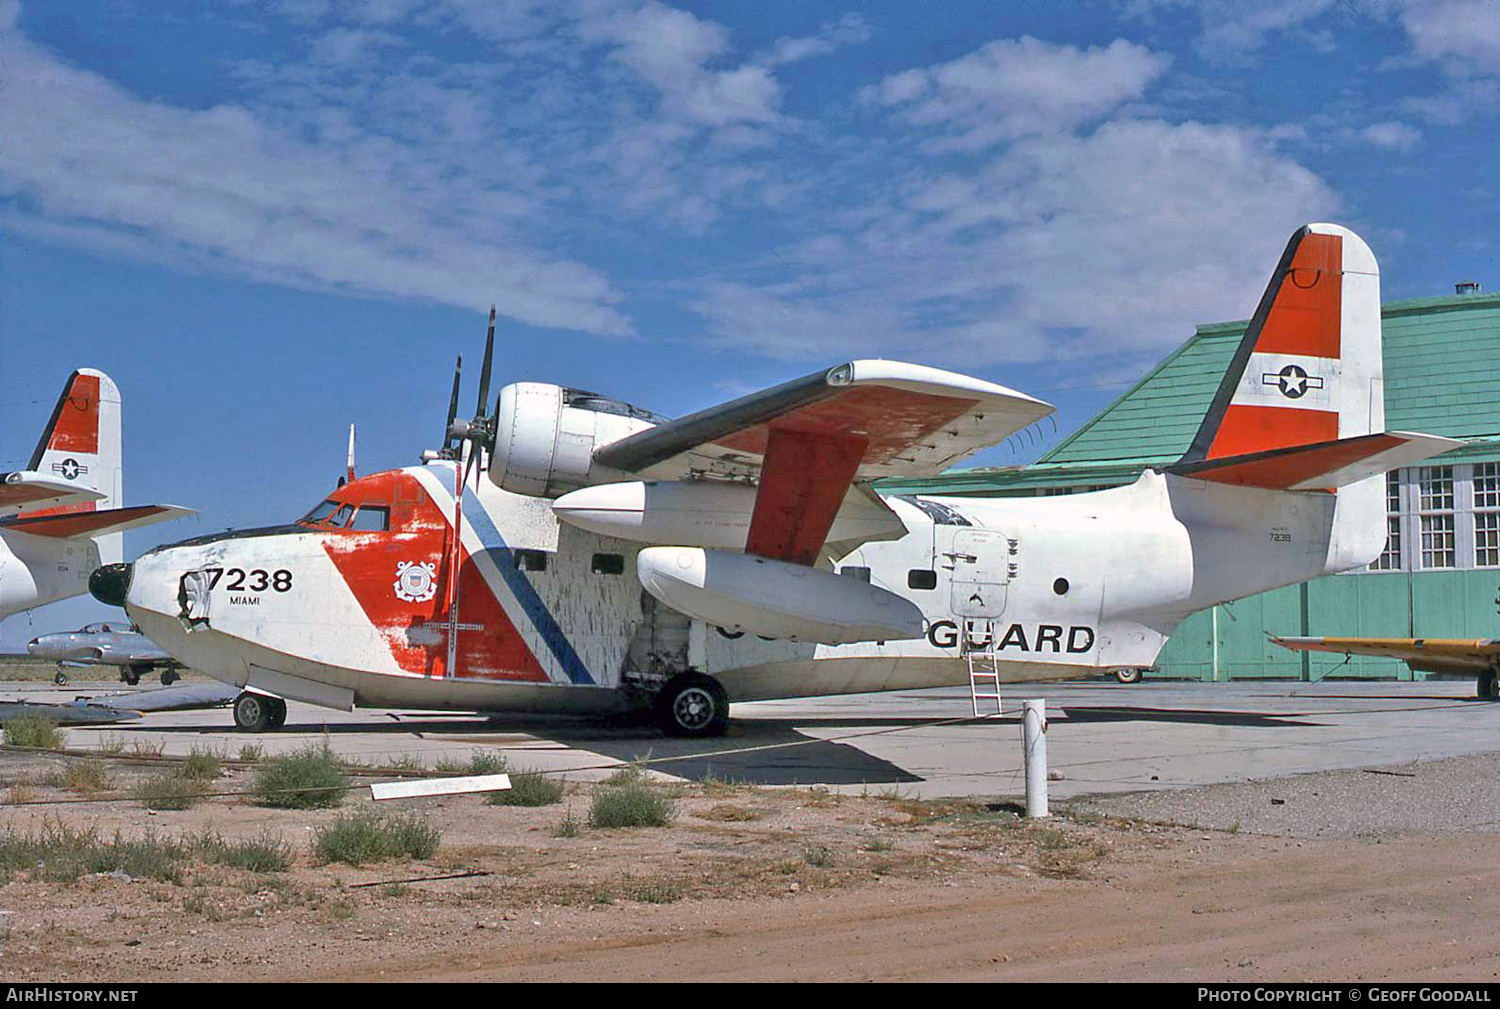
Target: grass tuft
[169,792]
[62,854]
[529,788]
[202,765]
[37,732]
[87,776]
[367,836]
[630,799]
[310,778]
[266,852]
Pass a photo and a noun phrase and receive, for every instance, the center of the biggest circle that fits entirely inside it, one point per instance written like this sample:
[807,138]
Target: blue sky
[267,220]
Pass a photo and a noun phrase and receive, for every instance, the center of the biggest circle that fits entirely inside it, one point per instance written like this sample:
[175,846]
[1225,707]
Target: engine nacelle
[545,437]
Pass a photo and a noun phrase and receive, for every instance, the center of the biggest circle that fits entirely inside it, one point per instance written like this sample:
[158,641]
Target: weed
[148,748]
[251,752]
[19,792]
[112,744]
[310,778]
[634,802]
[202,765]
[62,854]
[168,791]
[568,826]
[37,732]
[366,836]
[880,844]
[820,856]
[266,852]
[529,788]
[653,891]
[403,762]
[86,776]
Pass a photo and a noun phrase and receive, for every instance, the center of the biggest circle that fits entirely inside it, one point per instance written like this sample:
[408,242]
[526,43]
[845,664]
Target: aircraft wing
[84,524]
[26,489]
[806,441]
[1430,654]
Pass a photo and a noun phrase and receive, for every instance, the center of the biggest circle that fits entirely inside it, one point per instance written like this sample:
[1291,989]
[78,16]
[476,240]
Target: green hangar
[1440,571]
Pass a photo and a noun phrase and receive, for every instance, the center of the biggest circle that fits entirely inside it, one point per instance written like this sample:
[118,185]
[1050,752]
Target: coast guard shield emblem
[416,581]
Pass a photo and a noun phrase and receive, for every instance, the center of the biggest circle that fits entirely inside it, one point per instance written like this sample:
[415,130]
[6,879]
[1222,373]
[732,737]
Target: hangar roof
[1442,376]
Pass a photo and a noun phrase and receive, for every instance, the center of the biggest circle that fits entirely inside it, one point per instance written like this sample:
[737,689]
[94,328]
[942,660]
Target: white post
[1034,731]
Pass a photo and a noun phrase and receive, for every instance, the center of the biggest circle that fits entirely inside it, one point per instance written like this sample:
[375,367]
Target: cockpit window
[342,516]
[371,518]
[318,514]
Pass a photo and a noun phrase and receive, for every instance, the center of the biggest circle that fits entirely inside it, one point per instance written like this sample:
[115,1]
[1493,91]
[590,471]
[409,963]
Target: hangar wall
[1440,575]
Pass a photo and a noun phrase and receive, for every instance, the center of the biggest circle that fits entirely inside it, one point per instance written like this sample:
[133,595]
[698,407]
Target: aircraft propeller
[466,442]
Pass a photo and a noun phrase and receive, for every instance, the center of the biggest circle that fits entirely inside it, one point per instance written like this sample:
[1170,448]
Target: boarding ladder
[977,643]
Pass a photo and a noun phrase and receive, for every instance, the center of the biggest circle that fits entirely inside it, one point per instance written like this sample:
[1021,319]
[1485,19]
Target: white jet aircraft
[59,519]
[610,558]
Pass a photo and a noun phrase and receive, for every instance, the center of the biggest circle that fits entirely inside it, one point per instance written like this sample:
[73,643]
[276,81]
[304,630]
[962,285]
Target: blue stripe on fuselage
[520,586]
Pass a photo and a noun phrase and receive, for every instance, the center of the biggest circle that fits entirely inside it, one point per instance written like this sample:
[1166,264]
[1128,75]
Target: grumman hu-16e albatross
[59,519]
[507,572]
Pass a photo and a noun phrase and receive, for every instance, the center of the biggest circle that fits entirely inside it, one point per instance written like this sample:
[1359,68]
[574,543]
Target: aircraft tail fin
[81,443]
[1309,369]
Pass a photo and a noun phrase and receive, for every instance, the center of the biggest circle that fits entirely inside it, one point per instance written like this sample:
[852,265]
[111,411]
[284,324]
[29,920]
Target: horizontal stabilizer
[26,489]
[86,524]
[1322,465]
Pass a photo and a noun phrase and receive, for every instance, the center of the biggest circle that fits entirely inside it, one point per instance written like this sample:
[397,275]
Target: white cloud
[1011,88]
[363,215]
[1391,135]
[1103,246]
[1234,29]
[1461,35]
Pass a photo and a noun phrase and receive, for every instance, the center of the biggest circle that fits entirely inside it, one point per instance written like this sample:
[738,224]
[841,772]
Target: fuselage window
[918,578]
[531,560]
[609,564]
[857,573]
[371,519]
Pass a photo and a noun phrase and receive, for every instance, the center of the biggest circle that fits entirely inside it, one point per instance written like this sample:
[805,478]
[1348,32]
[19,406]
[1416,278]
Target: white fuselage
[36,570]
[552,617]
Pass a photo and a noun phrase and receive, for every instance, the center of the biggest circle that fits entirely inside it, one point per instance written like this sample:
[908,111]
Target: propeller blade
[458,370]
[484,372]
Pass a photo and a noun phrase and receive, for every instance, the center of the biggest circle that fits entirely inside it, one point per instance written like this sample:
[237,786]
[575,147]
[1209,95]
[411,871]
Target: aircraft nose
[110,584]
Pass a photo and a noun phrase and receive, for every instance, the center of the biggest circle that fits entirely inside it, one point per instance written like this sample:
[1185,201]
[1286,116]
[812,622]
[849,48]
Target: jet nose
[110,584]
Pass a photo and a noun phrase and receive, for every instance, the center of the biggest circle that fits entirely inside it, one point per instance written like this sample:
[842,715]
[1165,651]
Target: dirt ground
[749,884]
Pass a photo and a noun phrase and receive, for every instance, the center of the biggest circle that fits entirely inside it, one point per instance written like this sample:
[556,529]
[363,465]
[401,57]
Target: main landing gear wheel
[131,675]
[692,705]
[1128,675]
[258,713]
[169,677]
[60,678]
[1489,686]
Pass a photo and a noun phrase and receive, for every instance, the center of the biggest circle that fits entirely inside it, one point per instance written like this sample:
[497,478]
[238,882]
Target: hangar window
[1435,503]
[919,578]
[1487,515]
[1390,557]
[609,564]
[859,574]
[531,560]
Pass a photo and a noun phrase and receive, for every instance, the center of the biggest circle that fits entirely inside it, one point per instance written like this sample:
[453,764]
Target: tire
[692,706]
[61,678]
[252,712]
[169,677]
[1128,675]
[278,711]
[132,675]
[1488,686]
